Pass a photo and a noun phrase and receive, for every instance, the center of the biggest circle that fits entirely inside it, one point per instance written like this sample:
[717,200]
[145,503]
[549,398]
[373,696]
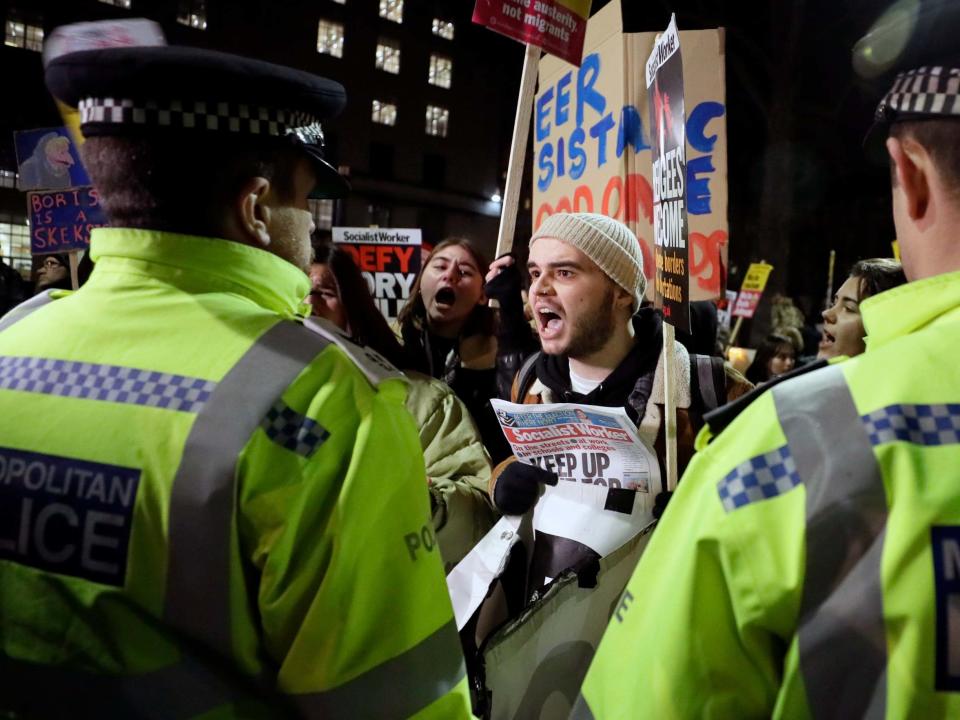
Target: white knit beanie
[607,242]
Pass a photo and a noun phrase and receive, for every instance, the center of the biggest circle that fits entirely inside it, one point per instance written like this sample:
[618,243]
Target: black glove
[505,289]
[660,503]
[518,487]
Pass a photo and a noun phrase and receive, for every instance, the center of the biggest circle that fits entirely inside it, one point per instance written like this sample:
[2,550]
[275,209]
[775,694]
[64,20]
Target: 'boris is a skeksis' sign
[61,220]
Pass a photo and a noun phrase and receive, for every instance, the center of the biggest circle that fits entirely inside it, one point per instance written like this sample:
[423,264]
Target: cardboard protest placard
[724,308]
[61,221]
[557,26]
[592,143]
[535,664]
[754,283]
[47,159]
[668,124]
[389,260]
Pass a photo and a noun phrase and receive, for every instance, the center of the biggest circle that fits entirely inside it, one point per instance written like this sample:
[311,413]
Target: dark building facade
[425,137]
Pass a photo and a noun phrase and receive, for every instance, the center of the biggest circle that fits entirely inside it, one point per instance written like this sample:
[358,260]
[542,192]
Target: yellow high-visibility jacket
[206,508]
[809,563]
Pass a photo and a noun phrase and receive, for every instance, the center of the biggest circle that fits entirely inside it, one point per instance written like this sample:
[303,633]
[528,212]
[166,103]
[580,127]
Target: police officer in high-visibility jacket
[809,563]
[208,507]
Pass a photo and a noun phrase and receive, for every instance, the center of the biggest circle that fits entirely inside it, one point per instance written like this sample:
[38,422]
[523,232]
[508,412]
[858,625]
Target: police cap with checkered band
[913,50]
[149,90]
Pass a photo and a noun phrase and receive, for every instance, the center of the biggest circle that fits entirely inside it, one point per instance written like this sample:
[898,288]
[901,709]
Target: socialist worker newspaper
[608,478]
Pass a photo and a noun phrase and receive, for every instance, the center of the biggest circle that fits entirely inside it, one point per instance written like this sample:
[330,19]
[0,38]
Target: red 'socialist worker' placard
[556,26]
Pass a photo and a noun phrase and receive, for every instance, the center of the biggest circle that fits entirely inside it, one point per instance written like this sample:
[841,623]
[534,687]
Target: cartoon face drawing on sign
[50,164]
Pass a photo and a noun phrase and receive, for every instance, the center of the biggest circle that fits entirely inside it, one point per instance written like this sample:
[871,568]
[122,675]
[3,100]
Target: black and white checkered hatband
[202,115]
[925,91]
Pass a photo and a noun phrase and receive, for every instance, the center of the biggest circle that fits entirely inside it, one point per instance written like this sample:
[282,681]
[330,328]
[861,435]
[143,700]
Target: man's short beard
[593,330]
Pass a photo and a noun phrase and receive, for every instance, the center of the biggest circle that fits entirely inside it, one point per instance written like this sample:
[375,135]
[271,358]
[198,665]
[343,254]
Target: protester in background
[53,273]
[807,567]
[702,338]
[794,336]
[843,331]
[339,293]
[457,465]
[12,290]
[241,524]
[775,356]
[448,332]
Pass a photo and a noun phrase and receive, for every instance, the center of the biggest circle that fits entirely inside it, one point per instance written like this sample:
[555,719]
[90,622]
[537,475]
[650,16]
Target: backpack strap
[525,376]
[708,382]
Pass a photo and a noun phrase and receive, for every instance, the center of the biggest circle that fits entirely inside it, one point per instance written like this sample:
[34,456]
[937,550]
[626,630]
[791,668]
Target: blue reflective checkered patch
[110,383]
[293,431]
[917,424]
[759,478]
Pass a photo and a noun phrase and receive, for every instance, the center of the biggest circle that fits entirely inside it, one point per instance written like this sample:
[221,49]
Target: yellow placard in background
[756,277]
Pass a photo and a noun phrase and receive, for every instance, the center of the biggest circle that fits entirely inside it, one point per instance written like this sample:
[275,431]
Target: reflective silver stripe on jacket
[399,687]
[24,309]
[204,489]
[842,639]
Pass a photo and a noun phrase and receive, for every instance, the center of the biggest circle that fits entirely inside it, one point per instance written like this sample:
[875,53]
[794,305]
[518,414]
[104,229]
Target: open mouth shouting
[826,340]
[445,298]
[549,322]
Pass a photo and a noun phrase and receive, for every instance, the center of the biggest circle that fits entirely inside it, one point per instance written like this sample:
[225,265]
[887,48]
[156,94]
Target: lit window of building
[15,243]
[322,211]
[443,29]
[441,71]
[388,56]
[330,38]
[437,120]
[8,178]
[392,10]
[118,3]
[24,35]
[193,13]
[384,113]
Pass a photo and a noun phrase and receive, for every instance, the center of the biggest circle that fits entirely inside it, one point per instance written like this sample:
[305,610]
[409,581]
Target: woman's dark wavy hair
[759,370]
[367,324]
[481,320]
[877,275]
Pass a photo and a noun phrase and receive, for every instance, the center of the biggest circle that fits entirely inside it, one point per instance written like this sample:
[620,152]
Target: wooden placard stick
[74,264]
[518,149]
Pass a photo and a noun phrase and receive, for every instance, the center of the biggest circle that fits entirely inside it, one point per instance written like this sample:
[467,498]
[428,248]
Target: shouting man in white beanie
[598,347]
